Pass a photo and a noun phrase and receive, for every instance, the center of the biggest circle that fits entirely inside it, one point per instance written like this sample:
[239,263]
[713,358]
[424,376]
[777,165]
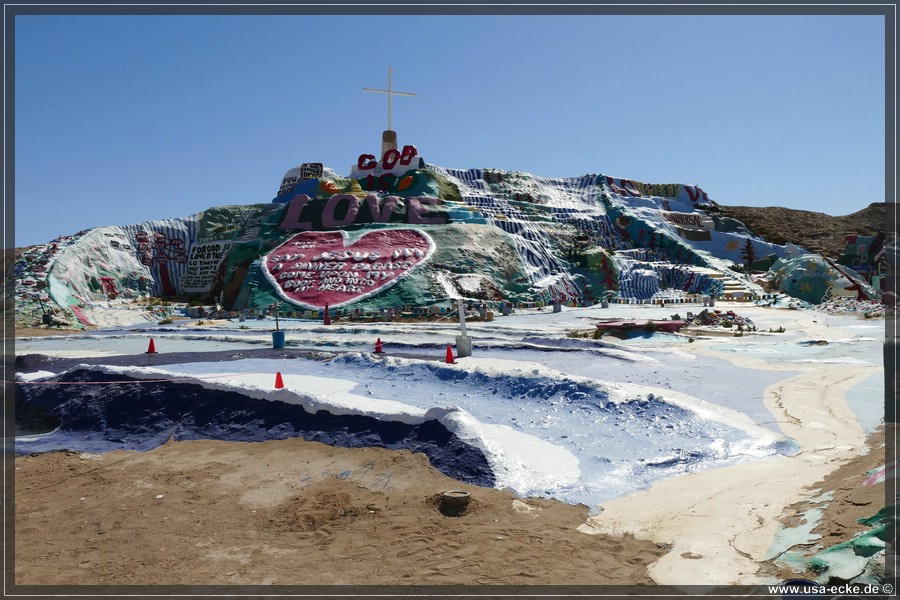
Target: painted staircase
[734,290]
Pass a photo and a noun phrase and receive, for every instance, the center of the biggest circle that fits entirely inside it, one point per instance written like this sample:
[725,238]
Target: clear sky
[124,119]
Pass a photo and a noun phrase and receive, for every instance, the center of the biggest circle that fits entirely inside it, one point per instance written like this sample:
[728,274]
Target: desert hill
[423,236]
[818,232]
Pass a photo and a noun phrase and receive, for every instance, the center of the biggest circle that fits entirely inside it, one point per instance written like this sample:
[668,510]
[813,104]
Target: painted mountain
[406,233]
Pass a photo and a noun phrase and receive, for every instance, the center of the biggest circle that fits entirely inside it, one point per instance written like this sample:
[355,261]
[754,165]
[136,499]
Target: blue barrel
[278,339]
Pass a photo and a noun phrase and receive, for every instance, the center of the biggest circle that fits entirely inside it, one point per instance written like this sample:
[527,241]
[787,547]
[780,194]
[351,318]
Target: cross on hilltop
[390,92]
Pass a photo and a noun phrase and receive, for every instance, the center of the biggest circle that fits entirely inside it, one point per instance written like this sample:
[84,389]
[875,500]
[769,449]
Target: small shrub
[574,333]
[166,321]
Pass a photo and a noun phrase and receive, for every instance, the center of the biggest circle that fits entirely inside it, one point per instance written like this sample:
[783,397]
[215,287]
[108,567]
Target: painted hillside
[406,233]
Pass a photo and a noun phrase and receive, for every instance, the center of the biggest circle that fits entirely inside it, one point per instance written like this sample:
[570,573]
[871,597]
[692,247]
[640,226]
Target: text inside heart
[315,268]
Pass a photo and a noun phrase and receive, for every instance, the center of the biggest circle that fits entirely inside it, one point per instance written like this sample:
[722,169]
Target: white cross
[390,93]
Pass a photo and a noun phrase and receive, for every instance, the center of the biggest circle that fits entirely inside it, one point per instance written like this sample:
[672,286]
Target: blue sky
[124,119]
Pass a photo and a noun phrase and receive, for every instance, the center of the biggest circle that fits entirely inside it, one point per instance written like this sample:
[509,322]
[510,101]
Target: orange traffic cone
[450,360]
[151,349]
[378,348]
[279,383]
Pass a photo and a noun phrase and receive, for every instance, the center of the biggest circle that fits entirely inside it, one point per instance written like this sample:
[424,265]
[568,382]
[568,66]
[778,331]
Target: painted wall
[400,230]
[315,269]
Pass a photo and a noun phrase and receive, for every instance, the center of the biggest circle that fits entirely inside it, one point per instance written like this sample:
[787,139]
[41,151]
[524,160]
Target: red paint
[388,182]
[391,158]
[681,218]
[625,188]
[319,268]
[366,162]
[695,193]
[109,285]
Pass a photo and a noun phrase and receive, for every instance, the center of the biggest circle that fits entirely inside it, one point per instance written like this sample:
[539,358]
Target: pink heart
[315,268]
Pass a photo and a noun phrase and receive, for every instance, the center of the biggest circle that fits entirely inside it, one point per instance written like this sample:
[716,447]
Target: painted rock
[315,268]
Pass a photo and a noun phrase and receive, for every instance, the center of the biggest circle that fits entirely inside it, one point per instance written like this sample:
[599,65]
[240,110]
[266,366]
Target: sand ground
[293,512]
[297,512]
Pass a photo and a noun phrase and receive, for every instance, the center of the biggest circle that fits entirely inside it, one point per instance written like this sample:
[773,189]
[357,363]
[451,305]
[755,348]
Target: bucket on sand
[454,503]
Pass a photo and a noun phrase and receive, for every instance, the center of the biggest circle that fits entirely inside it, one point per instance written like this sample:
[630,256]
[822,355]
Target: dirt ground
[292,512]
[297,512]
[44,330]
